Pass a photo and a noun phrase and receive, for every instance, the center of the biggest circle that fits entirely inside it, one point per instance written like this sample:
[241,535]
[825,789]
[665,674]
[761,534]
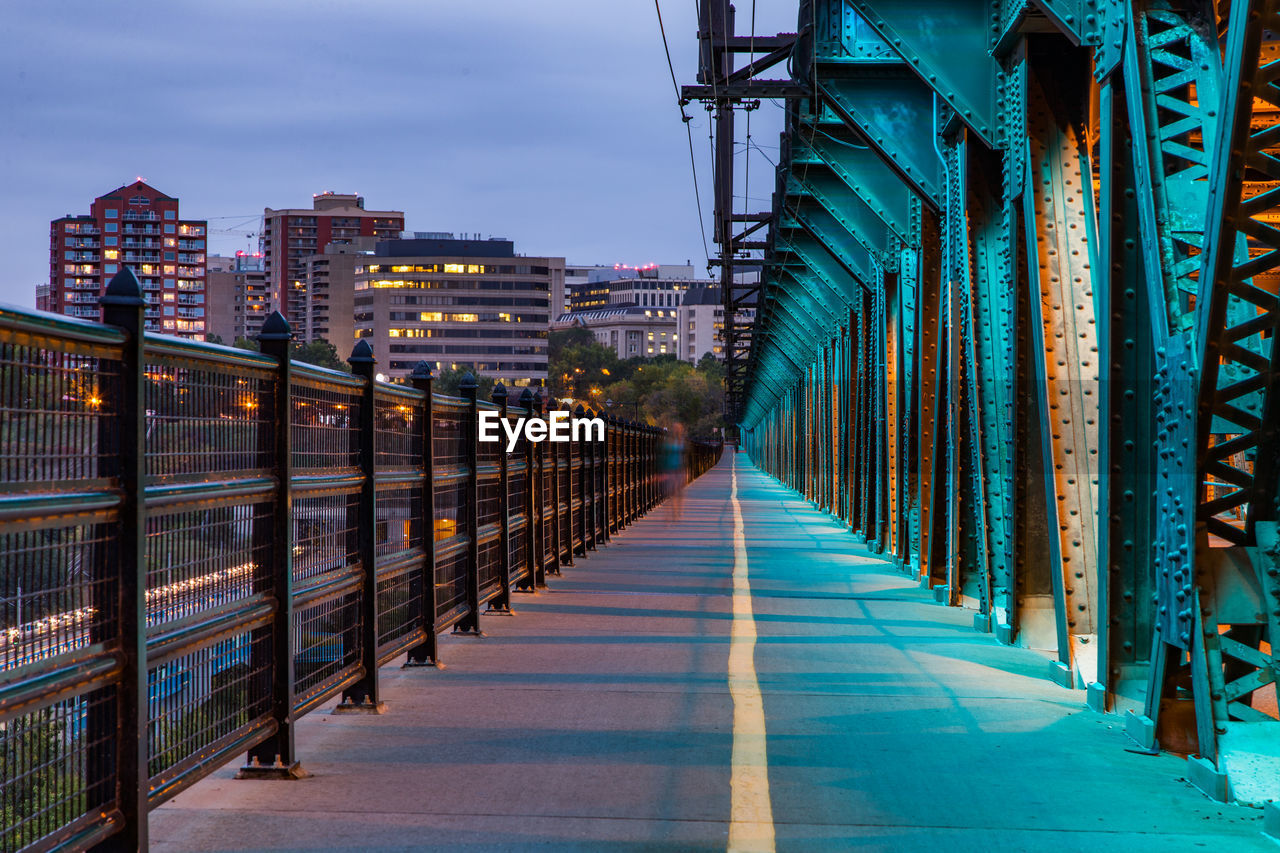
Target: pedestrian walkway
[602,716]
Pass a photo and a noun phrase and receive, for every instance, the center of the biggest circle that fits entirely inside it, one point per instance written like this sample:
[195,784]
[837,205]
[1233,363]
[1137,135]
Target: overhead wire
[686,118]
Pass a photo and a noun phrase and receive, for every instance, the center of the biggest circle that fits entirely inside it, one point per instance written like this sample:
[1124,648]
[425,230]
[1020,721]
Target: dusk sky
[550,123]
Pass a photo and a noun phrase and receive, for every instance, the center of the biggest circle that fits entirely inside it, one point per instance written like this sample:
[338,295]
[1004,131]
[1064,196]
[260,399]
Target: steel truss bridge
[1017,327]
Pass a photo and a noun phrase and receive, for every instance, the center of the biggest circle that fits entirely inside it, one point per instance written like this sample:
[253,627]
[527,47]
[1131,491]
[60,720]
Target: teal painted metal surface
[1017,330]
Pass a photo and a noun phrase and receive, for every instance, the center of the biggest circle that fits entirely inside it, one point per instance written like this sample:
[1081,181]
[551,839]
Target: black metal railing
[201,544]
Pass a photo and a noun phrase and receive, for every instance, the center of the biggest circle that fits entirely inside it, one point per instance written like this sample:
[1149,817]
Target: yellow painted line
[751,811]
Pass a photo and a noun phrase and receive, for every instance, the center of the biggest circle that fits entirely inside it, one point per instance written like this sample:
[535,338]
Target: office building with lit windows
[140,227]
[631,331]
[456,303]
[650,286]
[291,236]
[701,322]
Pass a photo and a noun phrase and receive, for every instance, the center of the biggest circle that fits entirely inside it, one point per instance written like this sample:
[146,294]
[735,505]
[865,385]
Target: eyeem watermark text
[556,426]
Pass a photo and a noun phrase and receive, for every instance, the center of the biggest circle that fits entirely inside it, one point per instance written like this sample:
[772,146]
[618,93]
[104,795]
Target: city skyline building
[237,296]
[138,226]
[456,303]
[701,322]
[631,331]
[653,285]
[290,236]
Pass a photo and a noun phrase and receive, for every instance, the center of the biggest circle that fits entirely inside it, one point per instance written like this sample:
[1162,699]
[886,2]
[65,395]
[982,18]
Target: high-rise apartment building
[471,304]
[237,296]
[291,236]
[140,227]
[331,292]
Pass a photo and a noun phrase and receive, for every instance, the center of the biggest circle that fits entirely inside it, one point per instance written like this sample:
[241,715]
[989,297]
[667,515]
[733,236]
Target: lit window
[169,297]
[463,318]
[431,317]
[474,269]
[170,242]
[455,268]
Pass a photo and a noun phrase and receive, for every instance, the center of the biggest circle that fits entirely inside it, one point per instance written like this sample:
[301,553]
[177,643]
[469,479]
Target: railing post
[610,476]
[589,463]
[124,306]
[569,453]
[655,475]
[427,653]
[502,602]
[362,697]
[630,477]
[546,537]
[533,531]
[470,624]
[578,413]
[275,757]
[551,459]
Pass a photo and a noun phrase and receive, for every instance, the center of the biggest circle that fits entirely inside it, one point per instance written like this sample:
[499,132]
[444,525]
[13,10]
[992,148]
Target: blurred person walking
[673,469]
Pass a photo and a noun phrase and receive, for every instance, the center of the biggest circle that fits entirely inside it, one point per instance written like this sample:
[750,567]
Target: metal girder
[867,177]
[817,223]
[946,43]
[1237,437]
[843,205]
[990,336]
[1066,352]
[743,90]
[1172,74]
[893,112]
[1129,470]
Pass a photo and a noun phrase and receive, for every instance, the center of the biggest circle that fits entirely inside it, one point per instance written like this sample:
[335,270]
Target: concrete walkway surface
[600,718]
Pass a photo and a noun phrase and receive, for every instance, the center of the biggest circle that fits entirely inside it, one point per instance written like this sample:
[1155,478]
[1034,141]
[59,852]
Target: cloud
[551,123]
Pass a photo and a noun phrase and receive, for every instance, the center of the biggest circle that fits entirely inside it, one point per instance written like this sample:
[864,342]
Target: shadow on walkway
[599,717]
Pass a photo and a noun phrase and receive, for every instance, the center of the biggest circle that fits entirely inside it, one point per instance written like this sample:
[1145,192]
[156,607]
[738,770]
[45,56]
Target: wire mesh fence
[200,544]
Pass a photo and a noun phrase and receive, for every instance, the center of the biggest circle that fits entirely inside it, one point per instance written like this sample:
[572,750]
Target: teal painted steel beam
[868,178]
[893,112]
[947,44]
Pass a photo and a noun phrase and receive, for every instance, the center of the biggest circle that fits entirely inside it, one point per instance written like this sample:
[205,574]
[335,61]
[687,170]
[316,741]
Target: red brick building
[291,236]
[140,227]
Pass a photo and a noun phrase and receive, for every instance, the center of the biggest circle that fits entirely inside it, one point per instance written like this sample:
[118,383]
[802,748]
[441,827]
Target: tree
[577,364]
[214,339]
[319,352]
[449,383]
